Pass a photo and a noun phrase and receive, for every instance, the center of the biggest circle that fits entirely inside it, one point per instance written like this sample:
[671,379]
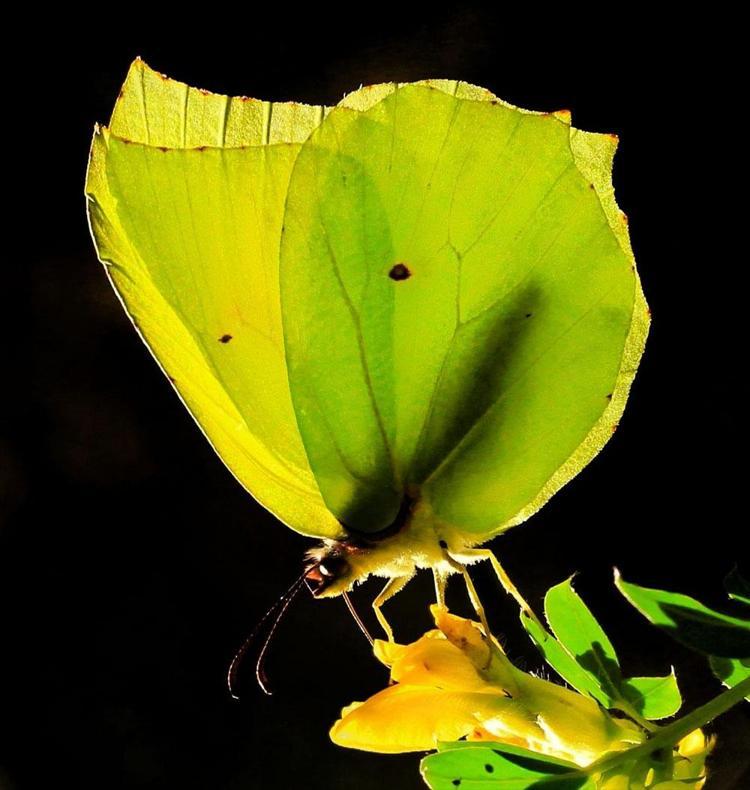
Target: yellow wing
[188,232]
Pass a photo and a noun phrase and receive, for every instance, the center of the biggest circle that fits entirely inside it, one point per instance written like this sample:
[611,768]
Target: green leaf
[653,697]
[472,766]
[737,586]
[730,671]
[583,638]
[563,663]
[689,621]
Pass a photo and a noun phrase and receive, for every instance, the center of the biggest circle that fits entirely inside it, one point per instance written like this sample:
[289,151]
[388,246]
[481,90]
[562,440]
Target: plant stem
[672,733]
[624,706]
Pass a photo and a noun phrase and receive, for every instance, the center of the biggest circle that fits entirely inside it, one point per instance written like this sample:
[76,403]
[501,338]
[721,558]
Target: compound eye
[333,567]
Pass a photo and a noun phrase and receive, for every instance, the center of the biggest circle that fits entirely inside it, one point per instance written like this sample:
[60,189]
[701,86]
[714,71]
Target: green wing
[461,314]
[189,238]
[492,363]
[160,111]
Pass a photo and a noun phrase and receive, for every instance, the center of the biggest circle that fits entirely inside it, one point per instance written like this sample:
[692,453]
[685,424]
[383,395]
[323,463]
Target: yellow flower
[684,768]
[690,759]
[451,684]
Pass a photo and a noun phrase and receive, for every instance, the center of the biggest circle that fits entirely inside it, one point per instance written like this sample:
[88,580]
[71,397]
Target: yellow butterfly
[403,322]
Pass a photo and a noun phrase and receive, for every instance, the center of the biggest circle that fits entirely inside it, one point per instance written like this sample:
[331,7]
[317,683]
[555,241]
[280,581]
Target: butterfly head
[329,569]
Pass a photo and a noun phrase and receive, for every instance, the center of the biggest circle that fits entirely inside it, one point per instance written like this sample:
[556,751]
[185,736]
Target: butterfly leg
[441,581]
[472,555]
[392,586]
[472,590]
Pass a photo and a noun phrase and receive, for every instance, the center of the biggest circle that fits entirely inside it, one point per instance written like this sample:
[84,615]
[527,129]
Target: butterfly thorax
[420,541]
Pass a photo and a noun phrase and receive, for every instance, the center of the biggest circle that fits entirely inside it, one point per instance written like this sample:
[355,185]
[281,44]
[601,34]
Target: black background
[132,564]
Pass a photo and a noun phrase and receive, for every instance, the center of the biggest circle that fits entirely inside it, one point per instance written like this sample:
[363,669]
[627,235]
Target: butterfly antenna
[357,618]
[283,601]
[260,671]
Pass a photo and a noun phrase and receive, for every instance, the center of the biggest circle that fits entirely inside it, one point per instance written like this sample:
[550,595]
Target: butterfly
[403,322]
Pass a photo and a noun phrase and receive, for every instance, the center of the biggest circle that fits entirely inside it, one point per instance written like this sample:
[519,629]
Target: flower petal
[405,718]
[438,664]
[464,635]
[389,652]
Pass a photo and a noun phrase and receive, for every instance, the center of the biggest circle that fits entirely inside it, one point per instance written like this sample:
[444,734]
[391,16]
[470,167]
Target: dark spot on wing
[399,272]
[489,768]
[225,338]
[456,782]
[528,315]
